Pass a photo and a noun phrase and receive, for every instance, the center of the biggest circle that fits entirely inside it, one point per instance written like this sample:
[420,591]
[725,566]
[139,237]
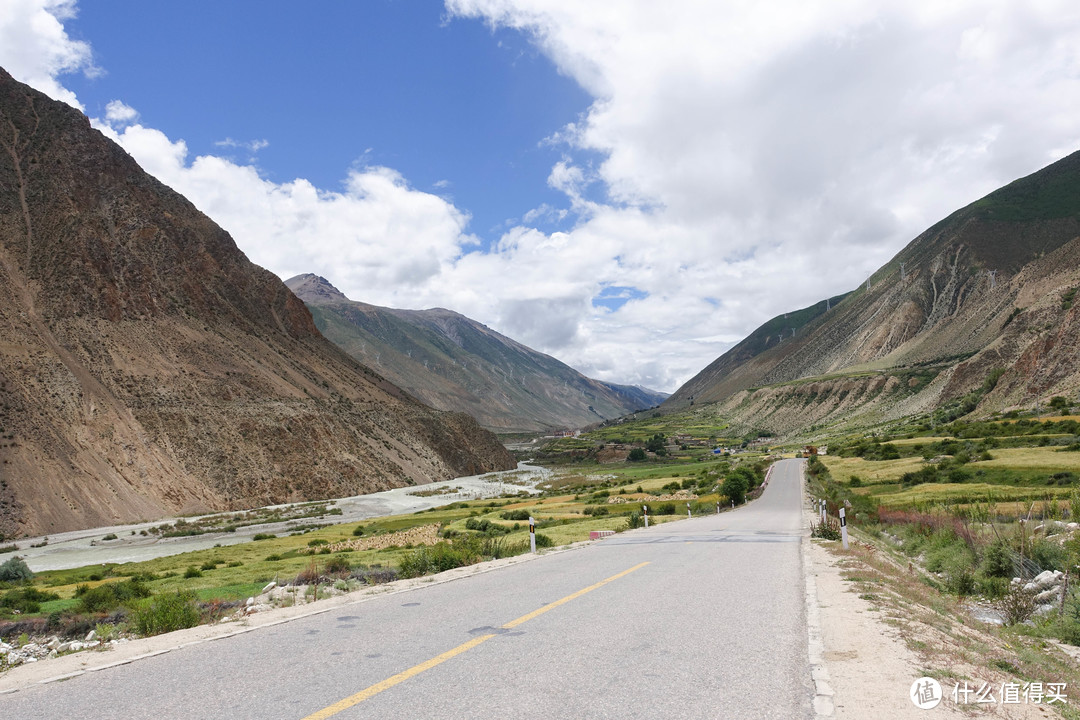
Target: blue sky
[629,186]
[459,108]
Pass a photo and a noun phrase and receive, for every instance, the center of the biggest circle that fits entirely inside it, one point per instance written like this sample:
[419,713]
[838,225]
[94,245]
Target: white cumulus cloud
[738,160]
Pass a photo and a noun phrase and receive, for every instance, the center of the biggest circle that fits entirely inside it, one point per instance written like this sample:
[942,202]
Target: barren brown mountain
[147,367]
[977,314]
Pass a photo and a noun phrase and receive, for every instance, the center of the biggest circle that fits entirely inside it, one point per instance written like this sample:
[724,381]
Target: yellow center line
[439,659]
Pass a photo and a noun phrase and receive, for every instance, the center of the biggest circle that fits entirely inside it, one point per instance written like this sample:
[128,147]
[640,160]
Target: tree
[735,487]
[636,455]
[15,569]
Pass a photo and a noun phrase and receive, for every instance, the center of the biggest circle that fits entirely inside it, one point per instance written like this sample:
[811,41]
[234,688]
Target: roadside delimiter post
[645,511]
[532,534]
[843,528]
[688,513]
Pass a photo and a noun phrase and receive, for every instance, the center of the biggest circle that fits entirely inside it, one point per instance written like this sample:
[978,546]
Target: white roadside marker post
[645,510]
[532,535]
[843,528]
[688,513]
[824,511]
[717,507]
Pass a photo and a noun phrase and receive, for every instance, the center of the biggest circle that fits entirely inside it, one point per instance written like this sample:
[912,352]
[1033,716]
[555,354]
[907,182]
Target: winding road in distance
[702,618]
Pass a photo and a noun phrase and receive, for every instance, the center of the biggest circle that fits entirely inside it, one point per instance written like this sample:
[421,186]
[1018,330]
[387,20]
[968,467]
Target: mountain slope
[985,289]
[147,367]
[454,363]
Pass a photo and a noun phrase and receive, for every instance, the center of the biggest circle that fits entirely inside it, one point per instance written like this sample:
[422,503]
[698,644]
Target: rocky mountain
[454,363]
[147,367]
[977,314]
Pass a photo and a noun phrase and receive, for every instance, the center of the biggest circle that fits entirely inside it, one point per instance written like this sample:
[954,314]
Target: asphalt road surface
[702,618]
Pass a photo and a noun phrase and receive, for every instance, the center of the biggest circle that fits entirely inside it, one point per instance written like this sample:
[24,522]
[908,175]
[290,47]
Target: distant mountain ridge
[147,367]
[452,362]
[986,292]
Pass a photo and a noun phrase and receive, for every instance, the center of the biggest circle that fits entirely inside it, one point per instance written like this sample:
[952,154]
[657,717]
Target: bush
[439,557]
[15,570]
[1017,605]
[515,515]
[26,600]
[192,572]
[109,596]
[264,536]
[167,612]
[543,541]
[636,455]
[1047,554]
[735,487]
[665,509]
[634,520]
[827,530]
[997,561]
[337,565]
[358,531]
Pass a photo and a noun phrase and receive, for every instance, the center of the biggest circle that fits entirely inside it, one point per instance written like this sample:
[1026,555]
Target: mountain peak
[315,289]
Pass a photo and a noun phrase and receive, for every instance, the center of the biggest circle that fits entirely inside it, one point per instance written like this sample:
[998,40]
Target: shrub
[596,510]
[665,509]
[997,561]
[1017,605]
[1047,554]
[735,487]
[634,520]
[440,556]
[264,536]
[636,455]
[515,515]
[192,572]
[829,530]
[15,570]
[209,565]
[543,541]
[26,600]
[109,596]
[167,612]
[317,542]
[358,531]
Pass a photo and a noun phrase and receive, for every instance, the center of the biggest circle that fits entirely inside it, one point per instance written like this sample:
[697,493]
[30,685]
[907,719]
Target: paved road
[696,619]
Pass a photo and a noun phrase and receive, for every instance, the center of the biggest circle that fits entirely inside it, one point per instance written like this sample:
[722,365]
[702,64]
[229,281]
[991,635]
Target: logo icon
[925,693]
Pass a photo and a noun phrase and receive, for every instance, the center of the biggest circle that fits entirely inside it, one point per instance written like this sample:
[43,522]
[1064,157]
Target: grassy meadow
[218,579]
